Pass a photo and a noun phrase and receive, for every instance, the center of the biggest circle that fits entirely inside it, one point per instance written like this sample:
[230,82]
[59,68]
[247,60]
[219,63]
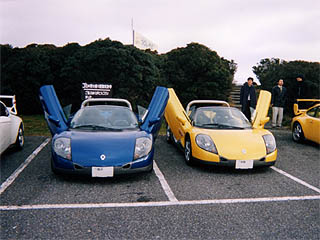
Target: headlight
[205,142]
[270,143]
[62,147]
[143,147]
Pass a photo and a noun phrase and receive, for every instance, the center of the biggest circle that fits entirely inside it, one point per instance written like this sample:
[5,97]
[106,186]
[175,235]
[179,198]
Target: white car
[11,126]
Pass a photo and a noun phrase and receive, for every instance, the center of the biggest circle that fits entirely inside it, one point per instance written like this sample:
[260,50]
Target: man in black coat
[248,98]
[299,88]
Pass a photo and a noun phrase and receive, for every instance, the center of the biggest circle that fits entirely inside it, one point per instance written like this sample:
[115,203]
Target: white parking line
[157,204]
[164,183]
[16,173]
[172,199]
[296,179]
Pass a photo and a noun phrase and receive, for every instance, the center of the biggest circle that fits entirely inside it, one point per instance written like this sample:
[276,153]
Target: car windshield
[220,118]
[103,117]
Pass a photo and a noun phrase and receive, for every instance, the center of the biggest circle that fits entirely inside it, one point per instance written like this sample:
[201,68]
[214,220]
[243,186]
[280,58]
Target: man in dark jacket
[248,98]
[278,100]
[299,89]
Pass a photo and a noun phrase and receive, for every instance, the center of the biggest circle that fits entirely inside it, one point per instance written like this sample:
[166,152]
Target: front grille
[222,159]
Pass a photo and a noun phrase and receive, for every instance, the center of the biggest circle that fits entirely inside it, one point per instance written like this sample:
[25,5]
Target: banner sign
[96,90]
[142,42]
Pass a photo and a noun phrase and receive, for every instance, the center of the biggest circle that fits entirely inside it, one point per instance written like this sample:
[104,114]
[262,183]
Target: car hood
[118,148]
[239,144]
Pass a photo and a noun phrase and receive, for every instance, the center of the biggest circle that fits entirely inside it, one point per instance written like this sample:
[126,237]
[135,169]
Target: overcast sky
[245,31]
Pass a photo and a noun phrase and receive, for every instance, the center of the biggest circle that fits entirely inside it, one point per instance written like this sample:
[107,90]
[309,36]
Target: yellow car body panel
[176,117]
[262,109]
[231,144]
[309,119]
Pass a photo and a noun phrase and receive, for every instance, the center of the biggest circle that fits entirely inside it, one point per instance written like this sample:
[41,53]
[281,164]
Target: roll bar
[119,100]
[13,108]
[219,102]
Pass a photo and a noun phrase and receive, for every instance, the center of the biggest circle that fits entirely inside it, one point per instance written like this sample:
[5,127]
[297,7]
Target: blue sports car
[104,137]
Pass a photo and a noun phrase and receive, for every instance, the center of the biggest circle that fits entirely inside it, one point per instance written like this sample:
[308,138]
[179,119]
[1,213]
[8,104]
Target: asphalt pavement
[175,201]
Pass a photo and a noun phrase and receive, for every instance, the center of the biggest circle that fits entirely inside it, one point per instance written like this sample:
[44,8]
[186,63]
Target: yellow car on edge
[306,123]
[215,133]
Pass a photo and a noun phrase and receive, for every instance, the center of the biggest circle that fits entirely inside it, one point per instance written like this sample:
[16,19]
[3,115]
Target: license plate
[102,171]
[244,164]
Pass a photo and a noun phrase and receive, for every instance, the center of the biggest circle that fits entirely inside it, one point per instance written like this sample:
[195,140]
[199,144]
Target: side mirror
[295,109]
[54,121]
[70,119]
[183,121]
[154,121]
[263,121]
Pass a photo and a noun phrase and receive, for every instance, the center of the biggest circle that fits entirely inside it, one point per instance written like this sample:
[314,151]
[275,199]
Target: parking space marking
[173,201]
[296,179]
[164,183]
[16,173]
[157,204]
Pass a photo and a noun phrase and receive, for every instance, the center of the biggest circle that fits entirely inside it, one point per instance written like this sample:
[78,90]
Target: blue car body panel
[52,110]
[155,111]
[117,147]
[87,147]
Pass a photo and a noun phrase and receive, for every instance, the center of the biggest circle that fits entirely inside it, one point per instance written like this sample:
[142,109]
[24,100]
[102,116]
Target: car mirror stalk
[154,121]
[54,121]
[181,120]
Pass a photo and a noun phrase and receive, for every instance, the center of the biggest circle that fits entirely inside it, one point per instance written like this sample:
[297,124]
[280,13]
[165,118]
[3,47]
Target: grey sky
[243,30]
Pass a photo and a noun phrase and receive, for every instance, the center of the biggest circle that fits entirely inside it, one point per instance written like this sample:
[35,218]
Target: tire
[188,152]
[297,133]
[151,169]
[20,138]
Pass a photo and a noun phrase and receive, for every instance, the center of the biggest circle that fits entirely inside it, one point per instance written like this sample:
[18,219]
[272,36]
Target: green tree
[196,72]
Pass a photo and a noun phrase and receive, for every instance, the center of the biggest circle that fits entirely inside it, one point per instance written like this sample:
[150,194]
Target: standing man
[248,98]
[299,91]
[279,95]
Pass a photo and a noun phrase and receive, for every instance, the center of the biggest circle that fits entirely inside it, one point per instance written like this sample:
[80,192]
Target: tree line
[194,71]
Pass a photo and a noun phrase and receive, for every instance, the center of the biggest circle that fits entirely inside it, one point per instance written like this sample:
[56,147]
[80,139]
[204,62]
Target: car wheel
[20,138]
[188,152]
[151,168]
[297,133]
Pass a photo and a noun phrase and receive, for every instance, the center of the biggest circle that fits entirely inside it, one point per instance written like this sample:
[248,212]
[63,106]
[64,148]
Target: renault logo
[244,151]
[103,157]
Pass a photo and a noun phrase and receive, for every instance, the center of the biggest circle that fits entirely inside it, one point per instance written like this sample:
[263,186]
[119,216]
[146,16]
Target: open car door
[53,112]
[262,108]
[152,120]
[176,117]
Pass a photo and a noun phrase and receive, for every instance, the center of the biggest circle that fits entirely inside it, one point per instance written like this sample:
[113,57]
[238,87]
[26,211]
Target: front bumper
[232,163]
[64,166]
[209,158]
[266,161]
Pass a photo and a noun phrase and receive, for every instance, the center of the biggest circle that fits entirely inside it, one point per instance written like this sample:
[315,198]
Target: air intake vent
[76,166]
[128,165]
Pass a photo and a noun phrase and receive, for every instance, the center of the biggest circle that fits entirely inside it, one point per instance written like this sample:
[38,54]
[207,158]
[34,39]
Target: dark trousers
[247,111]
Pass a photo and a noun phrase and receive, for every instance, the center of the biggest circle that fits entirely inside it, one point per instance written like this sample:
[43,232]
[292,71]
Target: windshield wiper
[96,127]
[218,125]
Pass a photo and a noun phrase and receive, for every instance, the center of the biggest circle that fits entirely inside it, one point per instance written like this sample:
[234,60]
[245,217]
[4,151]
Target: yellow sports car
[215,133]
[306,123]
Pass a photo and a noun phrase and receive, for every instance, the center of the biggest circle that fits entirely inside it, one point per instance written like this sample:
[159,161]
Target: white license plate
[244,164]
[102,172]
